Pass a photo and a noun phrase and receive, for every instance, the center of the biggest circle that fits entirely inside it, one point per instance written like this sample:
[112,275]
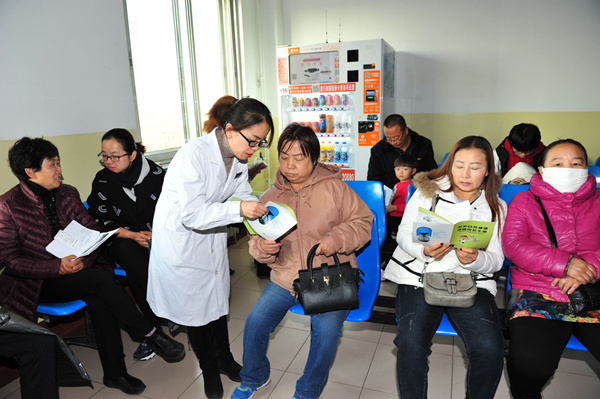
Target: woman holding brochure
[463,188]
[205,189]
[31,214]
[328,212]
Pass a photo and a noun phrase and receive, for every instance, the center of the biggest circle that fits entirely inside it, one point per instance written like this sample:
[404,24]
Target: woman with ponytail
[206,189]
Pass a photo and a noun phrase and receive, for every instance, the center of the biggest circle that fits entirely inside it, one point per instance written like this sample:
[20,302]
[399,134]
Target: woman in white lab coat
[205,189]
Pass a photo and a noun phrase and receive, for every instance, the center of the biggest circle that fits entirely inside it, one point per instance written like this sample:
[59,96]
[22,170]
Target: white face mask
[565,180]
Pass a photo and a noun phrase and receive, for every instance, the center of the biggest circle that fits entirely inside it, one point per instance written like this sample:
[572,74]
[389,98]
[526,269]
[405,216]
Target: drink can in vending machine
[301,102]
[344,99]
[294,102]
[315,126]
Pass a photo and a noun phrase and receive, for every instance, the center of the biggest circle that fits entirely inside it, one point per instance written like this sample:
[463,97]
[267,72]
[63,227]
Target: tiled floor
[364,366]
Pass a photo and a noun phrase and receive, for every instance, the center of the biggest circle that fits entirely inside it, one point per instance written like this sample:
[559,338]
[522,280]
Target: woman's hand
[390,208]
[518,180]
[326,247]
[253,209]
[142,238]
[437,251]
[70,264]
[581,271]
[566,284]
[269,246]
[467,255]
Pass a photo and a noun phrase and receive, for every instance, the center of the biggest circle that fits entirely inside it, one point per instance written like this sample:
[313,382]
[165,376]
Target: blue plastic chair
[597,163]
[57,309]
[368,261]
[508,191]
[409,192]
[372,193]
[60,308]
[444,159]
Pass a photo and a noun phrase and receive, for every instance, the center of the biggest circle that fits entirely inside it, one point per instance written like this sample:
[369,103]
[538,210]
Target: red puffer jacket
[24,235]
[575,218]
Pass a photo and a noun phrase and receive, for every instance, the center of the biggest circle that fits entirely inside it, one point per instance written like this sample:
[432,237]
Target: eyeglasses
[394,139]
[113,158]
[253,143]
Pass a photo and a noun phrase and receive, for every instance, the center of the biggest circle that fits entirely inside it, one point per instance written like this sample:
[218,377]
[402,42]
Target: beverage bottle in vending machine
[323,155]
[336,152]
[344,126]
[330,123]
[329,152]
[322,123]
[337,123]
[344,152]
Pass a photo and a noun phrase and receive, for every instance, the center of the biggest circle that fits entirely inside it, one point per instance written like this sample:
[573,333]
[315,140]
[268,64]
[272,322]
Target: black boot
[203,343]
[227,364]
[166,347]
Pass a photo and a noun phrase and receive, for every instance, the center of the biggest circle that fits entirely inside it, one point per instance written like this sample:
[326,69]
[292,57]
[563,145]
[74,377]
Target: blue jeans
[478,326]
[262,320]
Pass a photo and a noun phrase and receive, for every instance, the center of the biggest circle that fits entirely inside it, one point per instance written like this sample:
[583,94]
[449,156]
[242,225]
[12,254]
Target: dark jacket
[112,208]
[24,235]
[383,155]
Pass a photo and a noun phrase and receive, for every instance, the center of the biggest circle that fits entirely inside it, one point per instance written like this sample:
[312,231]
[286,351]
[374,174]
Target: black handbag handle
[311,256]
[551,234]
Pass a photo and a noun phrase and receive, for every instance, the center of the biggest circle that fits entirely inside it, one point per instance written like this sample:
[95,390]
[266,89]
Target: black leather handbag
[327,288]
[586,297]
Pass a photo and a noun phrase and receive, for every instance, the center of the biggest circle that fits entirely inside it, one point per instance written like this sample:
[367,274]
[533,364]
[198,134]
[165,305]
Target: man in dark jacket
[398,139]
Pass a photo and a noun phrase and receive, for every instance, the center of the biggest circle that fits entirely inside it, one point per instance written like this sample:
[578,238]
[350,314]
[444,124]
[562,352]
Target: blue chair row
[57,309]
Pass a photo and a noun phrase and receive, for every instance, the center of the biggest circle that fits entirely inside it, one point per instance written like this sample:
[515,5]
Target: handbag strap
[548,224]
[408,269]
[311,256]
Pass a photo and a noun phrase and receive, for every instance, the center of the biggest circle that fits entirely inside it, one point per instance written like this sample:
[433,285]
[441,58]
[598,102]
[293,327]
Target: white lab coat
[188,279]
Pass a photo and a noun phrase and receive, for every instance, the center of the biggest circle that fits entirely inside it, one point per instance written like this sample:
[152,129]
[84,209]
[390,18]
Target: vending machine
[342,91]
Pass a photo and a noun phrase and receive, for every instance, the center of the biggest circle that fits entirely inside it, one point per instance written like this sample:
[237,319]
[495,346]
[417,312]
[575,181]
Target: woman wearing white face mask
[541,320]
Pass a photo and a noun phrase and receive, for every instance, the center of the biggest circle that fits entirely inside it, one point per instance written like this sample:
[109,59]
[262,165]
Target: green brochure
[431,228]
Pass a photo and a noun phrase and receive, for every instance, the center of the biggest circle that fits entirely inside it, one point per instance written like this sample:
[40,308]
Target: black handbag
[327,288]
[586,297]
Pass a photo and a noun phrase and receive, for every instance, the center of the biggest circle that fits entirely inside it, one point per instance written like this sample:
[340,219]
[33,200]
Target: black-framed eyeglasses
[113,158]
[253,143]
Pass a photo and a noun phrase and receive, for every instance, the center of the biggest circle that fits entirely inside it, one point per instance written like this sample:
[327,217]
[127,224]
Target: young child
[405,166]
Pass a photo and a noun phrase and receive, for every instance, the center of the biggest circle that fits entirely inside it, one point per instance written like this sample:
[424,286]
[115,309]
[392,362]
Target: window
[176,55]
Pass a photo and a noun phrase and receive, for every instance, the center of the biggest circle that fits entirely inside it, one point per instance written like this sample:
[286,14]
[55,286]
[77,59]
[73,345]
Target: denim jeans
[262,320]
[478,326]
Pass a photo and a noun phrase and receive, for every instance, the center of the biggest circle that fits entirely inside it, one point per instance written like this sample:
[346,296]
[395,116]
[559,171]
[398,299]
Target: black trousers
[110,308]
[535,348]
[134,258]
[36,357]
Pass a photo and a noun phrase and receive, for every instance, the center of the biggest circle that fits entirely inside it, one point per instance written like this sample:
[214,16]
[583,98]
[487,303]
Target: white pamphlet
[77,240]
[272,225]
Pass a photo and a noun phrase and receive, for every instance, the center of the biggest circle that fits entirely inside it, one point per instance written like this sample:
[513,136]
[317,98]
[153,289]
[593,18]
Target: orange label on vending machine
[369,139]
[282,71]
[371,90]
[348,175]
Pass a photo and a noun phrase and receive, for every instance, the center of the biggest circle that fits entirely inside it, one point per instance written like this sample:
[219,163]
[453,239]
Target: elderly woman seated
[31,213]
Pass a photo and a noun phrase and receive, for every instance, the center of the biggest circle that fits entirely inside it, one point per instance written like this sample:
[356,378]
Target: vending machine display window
[311,68]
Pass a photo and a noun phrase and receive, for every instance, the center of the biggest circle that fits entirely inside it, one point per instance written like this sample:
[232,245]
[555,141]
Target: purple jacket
[24,235]
[575,218]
